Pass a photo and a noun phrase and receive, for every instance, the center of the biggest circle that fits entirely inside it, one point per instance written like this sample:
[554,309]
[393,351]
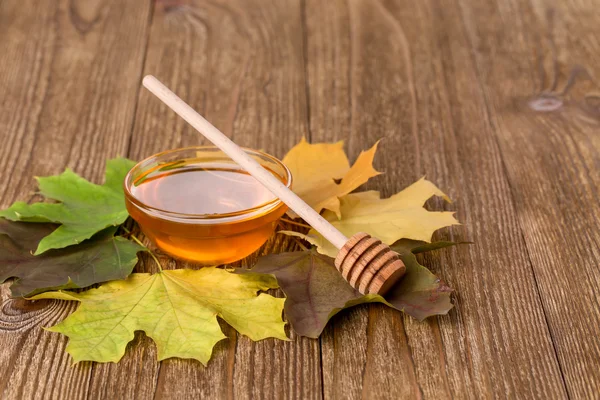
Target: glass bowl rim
[271,204]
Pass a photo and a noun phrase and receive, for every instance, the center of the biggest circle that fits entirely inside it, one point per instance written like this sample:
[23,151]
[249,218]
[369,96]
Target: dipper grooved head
[368,265]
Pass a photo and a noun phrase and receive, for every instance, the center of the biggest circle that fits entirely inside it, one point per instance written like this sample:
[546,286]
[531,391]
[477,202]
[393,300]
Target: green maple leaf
[84,209]
[315,291]
[178,309]
[100,259]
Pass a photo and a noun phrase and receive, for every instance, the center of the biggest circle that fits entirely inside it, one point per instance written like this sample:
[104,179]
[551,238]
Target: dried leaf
[420,293]
[400,216]
[316,167]
[178,309]
[315,291]
[100,259]
[84,209]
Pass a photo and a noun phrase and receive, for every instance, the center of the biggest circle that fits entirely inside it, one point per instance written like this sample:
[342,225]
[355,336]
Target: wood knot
[369,265]
[545,103]
[20,315]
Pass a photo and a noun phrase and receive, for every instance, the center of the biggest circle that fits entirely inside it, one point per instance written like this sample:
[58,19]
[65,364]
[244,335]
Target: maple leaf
[400,216]
[84,209]
[315,291]
[316,167]
[100,259]
[178,309]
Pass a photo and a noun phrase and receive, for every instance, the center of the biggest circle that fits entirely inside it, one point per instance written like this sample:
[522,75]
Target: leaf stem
[289,221]
[299,243]
[135,239]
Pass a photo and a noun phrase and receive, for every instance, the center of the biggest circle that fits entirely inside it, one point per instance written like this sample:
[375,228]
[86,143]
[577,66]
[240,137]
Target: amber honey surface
[206,212]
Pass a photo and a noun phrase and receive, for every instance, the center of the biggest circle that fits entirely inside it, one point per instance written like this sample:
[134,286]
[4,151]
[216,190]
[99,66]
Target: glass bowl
[198,205]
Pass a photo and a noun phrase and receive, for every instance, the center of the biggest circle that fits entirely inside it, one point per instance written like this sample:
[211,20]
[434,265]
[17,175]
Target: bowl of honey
[198,205]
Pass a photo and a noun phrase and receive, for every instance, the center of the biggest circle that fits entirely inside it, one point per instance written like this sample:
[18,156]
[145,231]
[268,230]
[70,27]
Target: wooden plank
[540,83]
[403,71]
[70,70]
[454,91]
[239,63]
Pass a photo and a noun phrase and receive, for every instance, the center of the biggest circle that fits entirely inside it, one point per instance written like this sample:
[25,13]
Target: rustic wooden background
[496,101]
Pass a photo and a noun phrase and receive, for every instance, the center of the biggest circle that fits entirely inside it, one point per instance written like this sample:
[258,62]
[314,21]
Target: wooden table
[497,102]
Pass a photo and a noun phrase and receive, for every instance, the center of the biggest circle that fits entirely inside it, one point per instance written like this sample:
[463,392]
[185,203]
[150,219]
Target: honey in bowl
[196,204]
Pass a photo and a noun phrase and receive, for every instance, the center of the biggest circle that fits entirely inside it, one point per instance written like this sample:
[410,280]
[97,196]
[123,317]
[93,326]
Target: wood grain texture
[408,77]
[497,102]
[540,85]
[61,63]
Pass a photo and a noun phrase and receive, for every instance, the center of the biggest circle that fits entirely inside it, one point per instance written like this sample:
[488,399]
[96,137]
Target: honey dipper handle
[320,224]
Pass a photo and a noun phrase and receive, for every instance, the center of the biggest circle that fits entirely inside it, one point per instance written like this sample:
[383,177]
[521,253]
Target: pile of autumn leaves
[72,243]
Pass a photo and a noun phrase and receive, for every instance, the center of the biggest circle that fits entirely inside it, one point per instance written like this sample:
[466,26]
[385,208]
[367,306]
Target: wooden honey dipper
[364,261]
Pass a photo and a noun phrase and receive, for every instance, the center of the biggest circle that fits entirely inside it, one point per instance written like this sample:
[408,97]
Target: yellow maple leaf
[400,216]
[316,167]
[178,309]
